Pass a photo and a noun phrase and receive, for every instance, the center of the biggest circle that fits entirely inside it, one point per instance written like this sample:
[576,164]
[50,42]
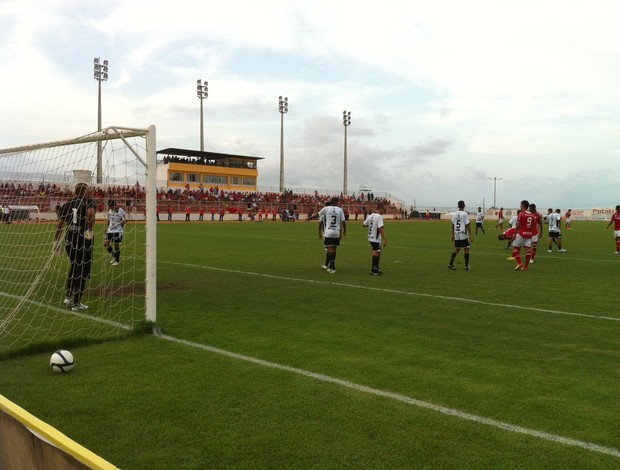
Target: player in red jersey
[500,219]
[507,234]
[567,217]
[526,224]
[615,219]
[538,230]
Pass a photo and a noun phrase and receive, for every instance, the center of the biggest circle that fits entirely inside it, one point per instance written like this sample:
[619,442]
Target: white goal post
[40,178]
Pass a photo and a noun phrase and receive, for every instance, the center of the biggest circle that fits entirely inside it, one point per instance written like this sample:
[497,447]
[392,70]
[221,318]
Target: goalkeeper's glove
[56,247]
[88,235]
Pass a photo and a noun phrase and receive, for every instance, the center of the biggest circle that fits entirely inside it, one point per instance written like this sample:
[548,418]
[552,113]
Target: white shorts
[519,241]
[535,238]
[616,233]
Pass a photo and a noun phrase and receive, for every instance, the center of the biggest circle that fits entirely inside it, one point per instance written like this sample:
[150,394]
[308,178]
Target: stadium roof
[208,155]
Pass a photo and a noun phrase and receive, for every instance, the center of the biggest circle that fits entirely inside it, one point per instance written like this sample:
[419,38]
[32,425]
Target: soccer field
[267,361]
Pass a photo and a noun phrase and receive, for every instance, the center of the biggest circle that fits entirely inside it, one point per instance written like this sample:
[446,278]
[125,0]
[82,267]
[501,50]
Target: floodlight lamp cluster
[202,89]
[100,70]
[346,118]
[283,103]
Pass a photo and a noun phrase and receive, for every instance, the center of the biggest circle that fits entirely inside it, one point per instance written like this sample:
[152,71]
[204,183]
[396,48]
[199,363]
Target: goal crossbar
[108,133]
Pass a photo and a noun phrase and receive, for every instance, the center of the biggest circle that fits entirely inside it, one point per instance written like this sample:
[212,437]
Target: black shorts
[114,237]
[461,243]
[329,241]
[555,234]
[80,252]
[479,224]
[376,246]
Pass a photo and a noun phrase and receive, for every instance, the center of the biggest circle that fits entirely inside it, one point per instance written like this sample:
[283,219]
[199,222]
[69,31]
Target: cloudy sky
[444,95]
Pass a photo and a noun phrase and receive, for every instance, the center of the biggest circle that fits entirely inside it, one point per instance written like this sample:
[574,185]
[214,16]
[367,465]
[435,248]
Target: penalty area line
[404,399]
[400,292]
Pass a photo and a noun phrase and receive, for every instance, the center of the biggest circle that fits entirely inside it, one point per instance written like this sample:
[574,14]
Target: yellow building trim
[211,170]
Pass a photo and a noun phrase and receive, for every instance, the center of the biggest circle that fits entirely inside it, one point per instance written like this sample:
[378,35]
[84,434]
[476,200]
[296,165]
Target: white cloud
[443,94]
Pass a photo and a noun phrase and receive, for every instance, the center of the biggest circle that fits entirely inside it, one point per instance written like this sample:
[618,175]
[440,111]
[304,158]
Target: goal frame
[150,164]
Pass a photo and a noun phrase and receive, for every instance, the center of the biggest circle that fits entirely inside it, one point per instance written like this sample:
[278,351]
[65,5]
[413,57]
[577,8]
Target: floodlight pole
[346,122]
[495,178]
[202,91]
[101,75]
[283,108]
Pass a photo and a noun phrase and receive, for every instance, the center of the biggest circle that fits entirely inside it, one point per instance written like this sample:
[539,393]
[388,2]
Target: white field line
[68,311]
[401,292]
[405,399]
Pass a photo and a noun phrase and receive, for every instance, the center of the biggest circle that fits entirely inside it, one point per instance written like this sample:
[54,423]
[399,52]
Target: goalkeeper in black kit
[78,215]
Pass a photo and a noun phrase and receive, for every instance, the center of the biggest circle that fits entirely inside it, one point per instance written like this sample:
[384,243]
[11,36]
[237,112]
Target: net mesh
[34,182]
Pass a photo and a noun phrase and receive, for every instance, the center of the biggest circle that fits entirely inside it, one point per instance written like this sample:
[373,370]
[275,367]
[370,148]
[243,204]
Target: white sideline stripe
[393,291]
[405,399]
[68,311]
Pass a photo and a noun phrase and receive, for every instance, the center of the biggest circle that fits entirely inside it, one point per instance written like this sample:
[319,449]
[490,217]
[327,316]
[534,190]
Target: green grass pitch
[537,351]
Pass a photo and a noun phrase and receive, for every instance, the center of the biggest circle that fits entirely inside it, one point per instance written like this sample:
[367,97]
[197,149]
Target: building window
[193,178]
[176,177]
[235,180]
[249,181]
[215,179]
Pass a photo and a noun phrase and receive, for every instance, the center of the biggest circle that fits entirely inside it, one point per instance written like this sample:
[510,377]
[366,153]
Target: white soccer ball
[62,361]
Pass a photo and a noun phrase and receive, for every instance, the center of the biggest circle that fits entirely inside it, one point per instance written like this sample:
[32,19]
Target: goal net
[35,181]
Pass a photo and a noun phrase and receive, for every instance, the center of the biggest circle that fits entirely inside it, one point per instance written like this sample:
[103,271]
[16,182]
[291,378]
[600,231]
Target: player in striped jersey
[334,228]
[114,234]
[461,235]
[376,237]
[555,234]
